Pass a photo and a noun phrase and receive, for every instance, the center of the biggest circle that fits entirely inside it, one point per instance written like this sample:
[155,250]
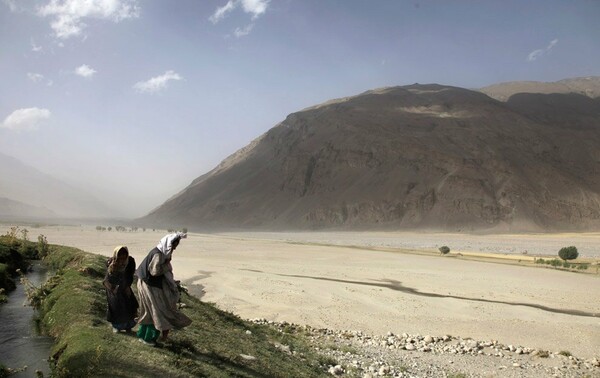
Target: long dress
[122,305]
[158,300]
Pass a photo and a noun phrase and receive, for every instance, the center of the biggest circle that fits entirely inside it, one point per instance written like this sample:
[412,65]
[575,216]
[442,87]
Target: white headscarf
[166,243]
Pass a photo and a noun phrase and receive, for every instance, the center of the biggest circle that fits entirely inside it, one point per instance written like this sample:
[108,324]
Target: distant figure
[158,292]
[122,305]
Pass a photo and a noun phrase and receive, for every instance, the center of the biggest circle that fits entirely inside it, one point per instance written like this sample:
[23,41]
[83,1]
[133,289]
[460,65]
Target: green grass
[73,306]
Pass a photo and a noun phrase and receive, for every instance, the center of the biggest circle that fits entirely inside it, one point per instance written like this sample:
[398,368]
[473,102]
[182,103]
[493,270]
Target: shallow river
[20,344]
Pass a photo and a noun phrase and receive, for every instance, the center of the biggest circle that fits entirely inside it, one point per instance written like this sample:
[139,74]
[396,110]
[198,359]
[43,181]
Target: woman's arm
[157,265]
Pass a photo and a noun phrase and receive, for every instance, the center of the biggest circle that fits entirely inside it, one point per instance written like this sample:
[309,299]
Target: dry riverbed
[372,282]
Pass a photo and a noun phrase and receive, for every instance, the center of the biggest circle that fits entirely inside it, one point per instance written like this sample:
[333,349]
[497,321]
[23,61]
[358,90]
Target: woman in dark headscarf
[122,305]
[159,292]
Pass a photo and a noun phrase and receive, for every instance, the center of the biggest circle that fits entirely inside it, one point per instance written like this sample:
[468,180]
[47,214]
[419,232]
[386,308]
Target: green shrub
[4,372]
[42,246]
[444,250]
[568,253]
[6,282]
[555,262]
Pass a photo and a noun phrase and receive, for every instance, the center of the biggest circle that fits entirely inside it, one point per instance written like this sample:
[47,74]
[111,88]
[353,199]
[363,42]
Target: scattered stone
[248,357]
[391,355]
[336,370]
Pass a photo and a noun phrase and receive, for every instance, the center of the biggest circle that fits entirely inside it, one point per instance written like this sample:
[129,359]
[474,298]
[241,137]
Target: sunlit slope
[419,156]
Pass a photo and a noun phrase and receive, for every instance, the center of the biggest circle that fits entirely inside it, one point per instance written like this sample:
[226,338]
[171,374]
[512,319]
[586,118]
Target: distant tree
[109,228]
[24,233]
[444,250]
[568,253]
[98,228]
[184,230]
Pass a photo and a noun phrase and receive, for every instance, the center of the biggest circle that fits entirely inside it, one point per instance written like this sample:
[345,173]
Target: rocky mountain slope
[418,156]
[587,86]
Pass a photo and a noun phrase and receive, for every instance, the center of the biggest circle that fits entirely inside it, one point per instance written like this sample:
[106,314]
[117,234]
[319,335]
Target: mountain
[587,86]
[22,183]
[10,209]
[417,156]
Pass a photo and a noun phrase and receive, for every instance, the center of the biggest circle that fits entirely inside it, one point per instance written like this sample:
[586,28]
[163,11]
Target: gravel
[357,354]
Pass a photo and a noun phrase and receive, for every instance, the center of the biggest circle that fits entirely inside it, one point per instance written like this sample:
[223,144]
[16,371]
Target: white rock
[519,351]
[336,370]
[410,347]
[428,339]
[248,332]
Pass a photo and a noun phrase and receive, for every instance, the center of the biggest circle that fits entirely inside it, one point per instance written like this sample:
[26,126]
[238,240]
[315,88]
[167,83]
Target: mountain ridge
[424,156]
[588,86]
[28,185]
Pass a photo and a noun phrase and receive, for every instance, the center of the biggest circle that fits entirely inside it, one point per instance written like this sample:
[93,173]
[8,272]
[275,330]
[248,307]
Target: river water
[20,344]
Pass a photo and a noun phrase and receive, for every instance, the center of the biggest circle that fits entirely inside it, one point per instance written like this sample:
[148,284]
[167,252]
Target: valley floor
[344,281]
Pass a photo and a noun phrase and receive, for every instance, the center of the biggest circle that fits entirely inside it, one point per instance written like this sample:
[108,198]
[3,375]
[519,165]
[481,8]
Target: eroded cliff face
[421,156]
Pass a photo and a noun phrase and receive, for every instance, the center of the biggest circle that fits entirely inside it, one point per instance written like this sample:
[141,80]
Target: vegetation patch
[217,344]
[15,256]
[562,264]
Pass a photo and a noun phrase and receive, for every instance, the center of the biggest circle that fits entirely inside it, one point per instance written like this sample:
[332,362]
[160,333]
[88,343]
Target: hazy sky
[132,100]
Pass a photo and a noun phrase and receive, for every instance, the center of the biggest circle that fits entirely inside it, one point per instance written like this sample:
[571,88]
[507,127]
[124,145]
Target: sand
[281,277]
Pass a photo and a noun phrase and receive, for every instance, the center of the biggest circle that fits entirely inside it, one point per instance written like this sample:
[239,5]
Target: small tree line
[134,229]
[565,254]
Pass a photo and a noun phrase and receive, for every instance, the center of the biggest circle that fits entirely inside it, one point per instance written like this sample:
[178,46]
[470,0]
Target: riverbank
[217,344]
[378,288]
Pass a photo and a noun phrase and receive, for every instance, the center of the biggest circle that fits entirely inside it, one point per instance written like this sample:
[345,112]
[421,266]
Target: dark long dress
[122,306]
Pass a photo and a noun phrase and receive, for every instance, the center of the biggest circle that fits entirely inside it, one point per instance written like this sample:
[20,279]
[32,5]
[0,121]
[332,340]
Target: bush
[555,262]
[444,250]
[42,246]
[568,253]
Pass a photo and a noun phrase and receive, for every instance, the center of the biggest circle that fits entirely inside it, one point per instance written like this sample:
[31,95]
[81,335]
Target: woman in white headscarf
[159,293]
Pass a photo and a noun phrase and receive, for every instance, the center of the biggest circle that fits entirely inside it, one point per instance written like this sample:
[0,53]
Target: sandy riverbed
[279,277]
